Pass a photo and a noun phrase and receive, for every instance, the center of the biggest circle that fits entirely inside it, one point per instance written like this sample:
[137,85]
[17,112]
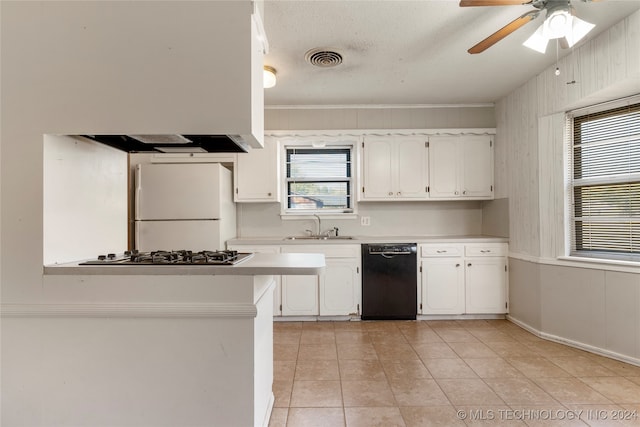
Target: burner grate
[174,257]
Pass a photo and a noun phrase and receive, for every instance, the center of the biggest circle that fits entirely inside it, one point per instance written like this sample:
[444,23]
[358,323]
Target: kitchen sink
[318,238]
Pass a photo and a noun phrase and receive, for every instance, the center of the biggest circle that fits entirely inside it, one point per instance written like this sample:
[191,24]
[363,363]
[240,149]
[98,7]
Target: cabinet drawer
[490,249]
[329,251]
[440,250]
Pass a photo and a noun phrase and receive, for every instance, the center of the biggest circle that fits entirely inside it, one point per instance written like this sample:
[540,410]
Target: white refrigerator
[183,206]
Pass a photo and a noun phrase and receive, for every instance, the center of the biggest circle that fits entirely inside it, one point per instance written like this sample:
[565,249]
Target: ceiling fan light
[579,29]
[557,25]
[269,77]
[537,41]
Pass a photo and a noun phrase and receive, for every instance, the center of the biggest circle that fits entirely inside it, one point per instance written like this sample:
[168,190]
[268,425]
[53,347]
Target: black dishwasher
[389,281]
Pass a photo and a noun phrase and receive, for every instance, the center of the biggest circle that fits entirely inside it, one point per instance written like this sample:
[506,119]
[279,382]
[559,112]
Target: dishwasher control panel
[390,249]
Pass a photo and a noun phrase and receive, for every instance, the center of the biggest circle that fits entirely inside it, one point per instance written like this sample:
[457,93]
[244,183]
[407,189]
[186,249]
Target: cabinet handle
[441,252]
[469,265]
[391,193]
[399,193]
[485,251]
[464,192]
[269,194]
[457,265]
[456,193]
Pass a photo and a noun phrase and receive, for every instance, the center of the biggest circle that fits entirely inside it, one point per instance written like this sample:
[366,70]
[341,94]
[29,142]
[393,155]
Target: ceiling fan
[560,23]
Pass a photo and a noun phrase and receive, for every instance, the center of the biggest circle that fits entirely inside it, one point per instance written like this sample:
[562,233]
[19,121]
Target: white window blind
[606,183]
[319,179]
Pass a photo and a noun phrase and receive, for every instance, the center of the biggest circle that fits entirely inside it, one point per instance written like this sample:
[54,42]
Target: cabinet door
[442,286]
[486,285]
[299,295]
[277,292]
[477,170]
[340,287]
[412,168]
[257,174]
[443,167]
[377,169]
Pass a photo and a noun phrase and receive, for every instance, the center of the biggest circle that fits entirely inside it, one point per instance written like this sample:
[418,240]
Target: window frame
[320,143]
[611,179]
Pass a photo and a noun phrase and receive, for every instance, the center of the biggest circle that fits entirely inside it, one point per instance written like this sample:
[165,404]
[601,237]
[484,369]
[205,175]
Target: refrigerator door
[177,191]
[177,235]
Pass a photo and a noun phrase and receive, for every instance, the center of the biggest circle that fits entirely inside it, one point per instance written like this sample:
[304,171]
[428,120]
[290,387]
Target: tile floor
[443,373]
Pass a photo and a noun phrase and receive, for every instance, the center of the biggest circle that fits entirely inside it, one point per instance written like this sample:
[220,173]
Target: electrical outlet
[365,220]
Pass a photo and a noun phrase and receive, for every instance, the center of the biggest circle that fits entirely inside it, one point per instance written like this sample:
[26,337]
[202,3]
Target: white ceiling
[400,52]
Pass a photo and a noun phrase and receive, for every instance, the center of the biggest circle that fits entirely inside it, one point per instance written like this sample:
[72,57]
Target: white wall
[387,219]
[96,67]
[84,199]
[105,67]
[594,306]
[436,117]
[433,218]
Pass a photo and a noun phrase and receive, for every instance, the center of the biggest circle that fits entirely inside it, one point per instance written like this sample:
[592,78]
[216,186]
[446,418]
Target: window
[319,179]
[605,183]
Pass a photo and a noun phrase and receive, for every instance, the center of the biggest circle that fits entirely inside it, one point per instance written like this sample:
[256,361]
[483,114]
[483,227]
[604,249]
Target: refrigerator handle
[138,189]
[136,228]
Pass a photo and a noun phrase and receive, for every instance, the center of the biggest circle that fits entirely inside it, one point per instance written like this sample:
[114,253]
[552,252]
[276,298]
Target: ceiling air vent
[323,57]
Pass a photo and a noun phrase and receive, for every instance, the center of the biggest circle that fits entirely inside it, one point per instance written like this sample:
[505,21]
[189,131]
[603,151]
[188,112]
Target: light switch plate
[365,220]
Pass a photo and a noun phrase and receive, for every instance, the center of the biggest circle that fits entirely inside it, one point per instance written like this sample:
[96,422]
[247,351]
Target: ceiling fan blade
[504,32]
[467,3]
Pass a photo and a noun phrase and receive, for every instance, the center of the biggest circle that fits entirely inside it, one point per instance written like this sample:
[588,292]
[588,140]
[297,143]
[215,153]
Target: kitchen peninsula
[159,345]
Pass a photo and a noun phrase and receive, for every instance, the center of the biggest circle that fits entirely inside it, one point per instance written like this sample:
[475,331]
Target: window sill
[582,262]
[599,263]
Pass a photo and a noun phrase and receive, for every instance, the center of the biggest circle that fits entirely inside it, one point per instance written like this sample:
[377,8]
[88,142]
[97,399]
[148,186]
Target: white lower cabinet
[336,292]
[277,292]
[464,278]
[486,290]
[300,295]
[442,286]
[486,278]
[456,279]
[340,287]
[442,274]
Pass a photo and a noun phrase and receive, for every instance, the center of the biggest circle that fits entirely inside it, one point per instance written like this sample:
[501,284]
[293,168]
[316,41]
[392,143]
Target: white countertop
[357,240]
[259,264]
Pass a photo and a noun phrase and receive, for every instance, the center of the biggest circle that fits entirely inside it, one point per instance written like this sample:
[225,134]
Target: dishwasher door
[389,281]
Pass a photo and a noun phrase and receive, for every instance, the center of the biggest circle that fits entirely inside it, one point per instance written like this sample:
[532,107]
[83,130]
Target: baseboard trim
[130,310]
[459,316]
[575,344]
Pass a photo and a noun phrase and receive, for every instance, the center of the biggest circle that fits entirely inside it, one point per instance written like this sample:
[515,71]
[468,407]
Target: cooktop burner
[180,257]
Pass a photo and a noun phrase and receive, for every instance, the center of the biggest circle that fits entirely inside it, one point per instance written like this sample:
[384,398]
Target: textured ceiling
[408,52]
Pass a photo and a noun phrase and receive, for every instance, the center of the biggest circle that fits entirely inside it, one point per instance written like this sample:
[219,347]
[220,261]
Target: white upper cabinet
[461,167]
[394,168]
[257,174]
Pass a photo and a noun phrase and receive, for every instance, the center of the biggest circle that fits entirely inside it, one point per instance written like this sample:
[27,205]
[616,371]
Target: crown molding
[376,106]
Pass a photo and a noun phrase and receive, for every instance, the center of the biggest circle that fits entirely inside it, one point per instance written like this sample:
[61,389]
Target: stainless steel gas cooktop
[179,257]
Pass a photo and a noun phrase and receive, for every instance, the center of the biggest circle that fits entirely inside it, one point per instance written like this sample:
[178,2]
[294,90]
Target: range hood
[174,143]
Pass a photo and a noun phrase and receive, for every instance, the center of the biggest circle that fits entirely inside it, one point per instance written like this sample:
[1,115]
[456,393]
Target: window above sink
[318,176]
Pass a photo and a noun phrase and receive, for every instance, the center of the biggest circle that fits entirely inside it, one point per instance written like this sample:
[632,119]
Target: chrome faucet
[319,225]
[322,234]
